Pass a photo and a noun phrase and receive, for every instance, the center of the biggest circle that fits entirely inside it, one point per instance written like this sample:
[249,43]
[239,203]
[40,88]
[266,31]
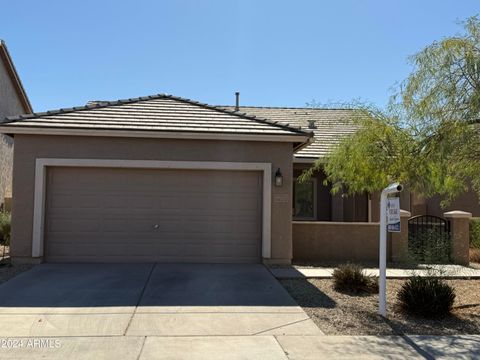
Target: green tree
[445,83]
[427,138]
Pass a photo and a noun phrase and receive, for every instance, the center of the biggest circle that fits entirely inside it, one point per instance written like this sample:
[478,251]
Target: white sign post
[382,266]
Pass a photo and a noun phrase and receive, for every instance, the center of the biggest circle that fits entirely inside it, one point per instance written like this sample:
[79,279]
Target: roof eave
[11,130]
[304,144]
[306,160]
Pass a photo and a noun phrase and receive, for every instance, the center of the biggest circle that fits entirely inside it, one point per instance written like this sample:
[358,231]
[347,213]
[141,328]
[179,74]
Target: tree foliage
[428,137]
[445,82]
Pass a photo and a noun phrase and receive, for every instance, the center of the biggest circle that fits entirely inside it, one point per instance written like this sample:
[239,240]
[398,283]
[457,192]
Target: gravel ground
[8,271]
[341,314]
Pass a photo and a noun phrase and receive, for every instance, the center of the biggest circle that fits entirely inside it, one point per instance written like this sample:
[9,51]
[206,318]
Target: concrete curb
[448,272]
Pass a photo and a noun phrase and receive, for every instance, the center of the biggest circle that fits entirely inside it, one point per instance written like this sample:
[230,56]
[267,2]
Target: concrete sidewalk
[245,347]
[447,271]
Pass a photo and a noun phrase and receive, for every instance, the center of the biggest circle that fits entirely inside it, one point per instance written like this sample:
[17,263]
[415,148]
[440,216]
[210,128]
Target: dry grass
[343,314]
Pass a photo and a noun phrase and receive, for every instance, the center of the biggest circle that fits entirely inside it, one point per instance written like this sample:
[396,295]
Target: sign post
[382,266]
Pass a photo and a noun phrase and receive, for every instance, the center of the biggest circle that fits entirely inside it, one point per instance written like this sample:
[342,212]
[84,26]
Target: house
[167,179]
[152,179]
[13,101]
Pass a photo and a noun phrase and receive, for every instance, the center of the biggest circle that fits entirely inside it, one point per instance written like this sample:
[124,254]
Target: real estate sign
[393,214]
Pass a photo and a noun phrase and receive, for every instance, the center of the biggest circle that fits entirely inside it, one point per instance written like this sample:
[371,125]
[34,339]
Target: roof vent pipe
[237,101]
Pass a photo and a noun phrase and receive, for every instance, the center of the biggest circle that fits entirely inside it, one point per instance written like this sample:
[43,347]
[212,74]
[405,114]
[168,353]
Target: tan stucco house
[13,101]
[156,178]
[162,178]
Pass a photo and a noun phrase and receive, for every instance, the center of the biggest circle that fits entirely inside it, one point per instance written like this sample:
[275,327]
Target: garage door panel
[73,225]
[171,207]
[64,201]
[210,226]
[159,215]
[210,203]
[166,238]
[176,180]
[106,215]
[166,252]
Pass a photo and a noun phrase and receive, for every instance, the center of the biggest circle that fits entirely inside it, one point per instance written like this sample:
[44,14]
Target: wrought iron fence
[429,239]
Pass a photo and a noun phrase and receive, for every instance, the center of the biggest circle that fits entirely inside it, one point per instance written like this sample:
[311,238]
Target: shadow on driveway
[110,285]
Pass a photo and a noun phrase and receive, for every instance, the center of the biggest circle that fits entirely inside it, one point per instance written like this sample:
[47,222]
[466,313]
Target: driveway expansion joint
[417,348]
[281,326]
[140,297]
[141,349]
[283,349]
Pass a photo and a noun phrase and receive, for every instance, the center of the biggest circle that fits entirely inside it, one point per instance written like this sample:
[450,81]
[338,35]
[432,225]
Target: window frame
[306,218]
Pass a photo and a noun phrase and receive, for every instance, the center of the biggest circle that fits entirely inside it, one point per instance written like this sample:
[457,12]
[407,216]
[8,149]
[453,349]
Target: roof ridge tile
[288,107]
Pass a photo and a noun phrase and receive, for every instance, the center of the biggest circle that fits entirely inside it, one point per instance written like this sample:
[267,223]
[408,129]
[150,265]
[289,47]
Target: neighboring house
[13,101]
[156,178]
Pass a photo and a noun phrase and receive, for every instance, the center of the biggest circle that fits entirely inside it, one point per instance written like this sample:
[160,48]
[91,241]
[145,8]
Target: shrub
[475,233]
[427,297]
[475,255]
[430,247]
[5,227]
[351,278]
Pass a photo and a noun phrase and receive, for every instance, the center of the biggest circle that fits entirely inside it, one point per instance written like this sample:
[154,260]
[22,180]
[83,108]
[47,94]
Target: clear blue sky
[276,53]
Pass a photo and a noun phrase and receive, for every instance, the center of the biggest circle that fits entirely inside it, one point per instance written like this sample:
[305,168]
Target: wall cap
[457,214]
[405,213]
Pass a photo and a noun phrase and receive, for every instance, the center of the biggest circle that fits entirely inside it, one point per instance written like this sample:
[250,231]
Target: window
[304,200]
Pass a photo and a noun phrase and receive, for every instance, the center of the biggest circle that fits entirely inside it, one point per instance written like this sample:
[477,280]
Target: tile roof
[161,113]
[331,125]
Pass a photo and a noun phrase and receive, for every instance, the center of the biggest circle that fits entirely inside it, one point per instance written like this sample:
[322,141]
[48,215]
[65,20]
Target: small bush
[430,247]
[351,279]
[474,255]
[475,233]
[5,228]
[426,297]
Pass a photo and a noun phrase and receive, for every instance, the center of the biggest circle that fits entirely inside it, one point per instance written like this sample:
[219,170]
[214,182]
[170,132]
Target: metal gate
[429,239]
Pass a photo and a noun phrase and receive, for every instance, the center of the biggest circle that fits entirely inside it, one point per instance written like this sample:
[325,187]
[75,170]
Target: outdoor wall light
[278,178]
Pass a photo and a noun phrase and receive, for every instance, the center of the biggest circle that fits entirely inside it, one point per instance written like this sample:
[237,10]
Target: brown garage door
[143,215]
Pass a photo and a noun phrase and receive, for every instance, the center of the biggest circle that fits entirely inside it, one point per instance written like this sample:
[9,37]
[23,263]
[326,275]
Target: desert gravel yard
[8,271]
[342,314]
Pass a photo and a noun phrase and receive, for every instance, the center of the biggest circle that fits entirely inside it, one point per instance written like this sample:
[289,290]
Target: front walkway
[447,271]
[248,347]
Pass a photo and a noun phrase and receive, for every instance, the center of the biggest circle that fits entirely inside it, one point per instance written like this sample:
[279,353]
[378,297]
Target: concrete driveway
[53,300]
[189,312]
